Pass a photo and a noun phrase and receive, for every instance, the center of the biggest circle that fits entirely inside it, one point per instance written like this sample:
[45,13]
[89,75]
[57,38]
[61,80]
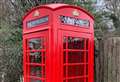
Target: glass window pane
[36,44]
[64,71]
[64,57]
[44,57]
[36,71]
[64,42]
[44,71]
[87,57]
[75,43]
[77,70]
[87,69]
[75,57]
[35,57]
[86,44]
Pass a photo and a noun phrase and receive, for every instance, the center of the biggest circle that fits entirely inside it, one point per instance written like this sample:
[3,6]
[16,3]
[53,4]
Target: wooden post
[108,61]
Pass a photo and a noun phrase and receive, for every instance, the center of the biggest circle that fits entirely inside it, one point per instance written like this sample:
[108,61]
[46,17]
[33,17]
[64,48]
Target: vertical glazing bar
[42,44]
[28,59]
[66,58]
[44,57]
[24,58]
[42,54]
[44,60]
[85,60]
[27,64]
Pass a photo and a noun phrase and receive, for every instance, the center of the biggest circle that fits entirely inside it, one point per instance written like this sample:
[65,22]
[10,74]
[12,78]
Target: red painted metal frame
[54,32]
[26,58]
[90,55]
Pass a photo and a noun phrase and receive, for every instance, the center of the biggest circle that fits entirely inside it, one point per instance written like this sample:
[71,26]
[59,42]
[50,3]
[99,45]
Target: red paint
[55,51]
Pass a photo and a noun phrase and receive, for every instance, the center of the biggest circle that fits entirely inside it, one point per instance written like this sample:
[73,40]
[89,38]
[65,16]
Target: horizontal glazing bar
[35,64]
[34,77]
[75,64]
[76,77]
[75,50]
[42,50]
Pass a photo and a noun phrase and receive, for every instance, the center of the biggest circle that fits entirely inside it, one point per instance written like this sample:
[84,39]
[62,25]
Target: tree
[112,8]
[10,43]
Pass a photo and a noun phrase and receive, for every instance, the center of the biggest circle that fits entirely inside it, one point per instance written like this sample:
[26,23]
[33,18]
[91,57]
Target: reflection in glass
[35,57]
[75,43]
[36,71]
[36,44]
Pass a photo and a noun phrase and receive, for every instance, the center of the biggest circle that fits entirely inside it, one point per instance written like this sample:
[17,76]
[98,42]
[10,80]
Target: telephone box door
[76,57]
[35,51]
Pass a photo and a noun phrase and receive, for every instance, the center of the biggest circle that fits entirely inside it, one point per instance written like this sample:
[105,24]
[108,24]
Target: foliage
[112,10]
[11,52]
[10,43]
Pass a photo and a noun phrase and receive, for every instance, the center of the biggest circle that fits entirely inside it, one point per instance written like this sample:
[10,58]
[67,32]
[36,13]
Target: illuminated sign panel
[36,22]
[74,21]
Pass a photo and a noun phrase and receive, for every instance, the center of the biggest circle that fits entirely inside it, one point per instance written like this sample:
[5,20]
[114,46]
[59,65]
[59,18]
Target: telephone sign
[36,22]
[74,21]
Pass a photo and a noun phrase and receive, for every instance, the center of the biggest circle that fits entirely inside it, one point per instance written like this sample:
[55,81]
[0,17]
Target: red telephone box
[58,44]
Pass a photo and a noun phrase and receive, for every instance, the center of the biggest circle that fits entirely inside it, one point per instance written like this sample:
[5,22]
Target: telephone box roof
[57,6]
[54,6]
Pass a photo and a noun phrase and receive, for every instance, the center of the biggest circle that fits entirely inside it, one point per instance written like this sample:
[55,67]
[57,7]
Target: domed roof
[58,6]
[54,6]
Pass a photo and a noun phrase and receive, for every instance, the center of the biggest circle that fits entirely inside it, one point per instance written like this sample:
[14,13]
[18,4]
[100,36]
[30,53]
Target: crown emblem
[76,13]
[36,13]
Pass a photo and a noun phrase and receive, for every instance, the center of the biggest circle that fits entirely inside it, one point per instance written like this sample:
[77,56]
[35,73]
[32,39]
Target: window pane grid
[36,55]
[75,59]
